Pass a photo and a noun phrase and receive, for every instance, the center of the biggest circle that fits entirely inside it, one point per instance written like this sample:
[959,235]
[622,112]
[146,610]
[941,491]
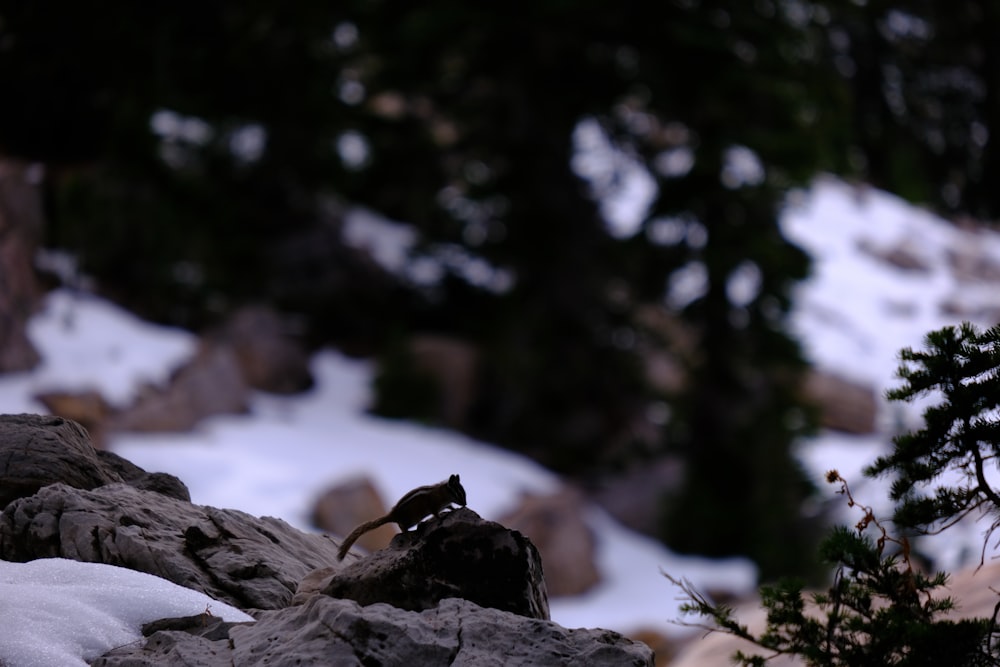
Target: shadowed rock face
[246,561]
[457,555]
[455,590]
[36,450]
[39,450]
[328,631]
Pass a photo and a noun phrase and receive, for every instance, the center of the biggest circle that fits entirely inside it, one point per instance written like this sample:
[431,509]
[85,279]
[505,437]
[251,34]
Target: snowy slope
[857,311]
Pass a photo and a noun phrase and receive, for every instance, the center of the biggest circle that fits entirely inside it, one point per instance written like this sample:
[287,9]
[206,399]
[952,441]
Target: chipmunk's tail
[349,541]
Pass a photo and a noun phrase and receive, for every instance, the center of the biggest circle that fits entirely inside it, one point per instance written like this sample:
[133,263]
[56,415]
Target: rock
[844,405]
[428,377]
[326,631]
[203,625]
[269,356]
[635,496]
[971,262]
[456,590]
[209,384]
[904,255]
[453,365]
[160,482]
[456,555]
[37,450]
[87,408]
[343,507]
[227,554]
[663,647]
[555,524]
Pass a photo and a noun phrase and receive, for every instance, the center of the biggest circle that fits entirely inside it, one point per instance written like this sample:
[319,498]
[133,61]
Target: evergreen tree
[924,82]
[960,439]
[880,608]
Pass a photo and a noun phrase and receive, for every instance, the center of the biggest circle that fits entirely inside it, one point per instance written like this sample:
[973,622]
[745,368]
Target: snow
[856,312]
[55,611]
[853,315]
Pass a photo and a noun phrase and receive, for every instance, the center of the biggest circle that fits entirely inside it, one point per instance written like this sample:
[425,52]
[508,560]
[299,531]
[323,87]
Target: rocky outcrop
[344,506]
[327,631]
[88,408]
[246,561]
[456,555]
[253,350]
[457,590]
[904,254]
[269,355]
[39,450]
[210,383]
[36,451]
[556,525]
[844,405]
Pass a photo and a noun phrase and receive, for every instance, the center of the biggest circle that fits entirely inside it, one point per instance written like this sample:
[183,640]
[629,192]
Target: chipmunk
[411,508]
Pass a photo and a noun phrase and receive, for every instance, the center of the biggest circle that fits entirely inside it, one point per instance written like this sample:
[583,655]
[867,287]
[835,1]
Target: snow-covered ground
[58,612]
[853,316]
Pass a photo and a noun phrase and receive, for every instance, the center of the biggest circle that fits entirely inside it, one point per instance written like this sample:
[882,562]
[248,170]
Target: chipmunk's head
[454,487]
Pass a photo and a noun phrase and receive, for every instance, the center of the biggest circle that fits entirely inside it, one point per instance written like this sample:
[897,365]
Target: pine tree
[961,434]
[880,609]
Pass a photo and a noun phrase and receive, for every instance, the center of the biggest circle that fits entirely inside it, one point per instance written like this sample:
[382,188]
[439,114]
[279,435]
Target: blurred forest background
[589,192]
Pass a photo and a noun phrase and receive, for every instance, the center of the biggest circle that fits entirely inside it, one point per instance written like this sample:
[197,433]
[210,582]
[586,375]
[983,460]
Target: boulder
[453,364]
[227,554]
[905,254]
[268,353]
[348,504]
[456,590]
[38,450]
[88,408]
[131,474]
[458,554]
[844,405]
[635,494]
[327,631]
[556,525]
[211,383]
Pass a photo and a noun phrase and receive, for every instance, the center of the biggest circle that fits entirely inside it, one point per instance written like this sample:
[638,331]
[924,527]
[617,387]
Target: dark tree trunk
[21,224]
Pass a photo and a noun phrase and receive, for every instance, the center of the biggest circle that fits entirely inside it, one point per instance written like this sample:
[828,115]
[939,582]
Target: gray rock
[556,524]
[268,350]
[327,631]
[456,555]
[37,450]
[247,561]
[132,474]
[350,503]
[844,405]
[210,383]
[69,501]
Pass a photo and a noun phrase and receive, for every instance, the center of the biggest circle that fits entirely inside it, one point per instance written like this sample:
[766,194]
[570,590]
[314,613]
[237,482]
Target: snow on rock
[55,611]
